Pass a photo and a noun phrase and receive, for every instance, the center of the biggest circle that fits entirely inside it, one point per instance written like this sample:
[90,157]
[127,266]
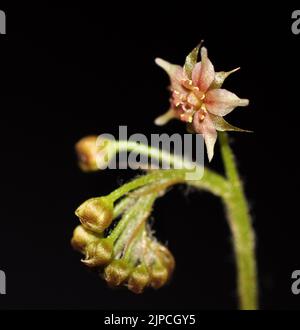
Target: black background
[69,71]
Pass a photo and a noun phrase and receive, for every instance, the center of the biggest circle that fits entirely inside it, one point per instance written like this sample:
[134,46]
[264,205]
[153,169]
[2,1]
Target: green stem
[124,204]
[183,170]
[160,155]
[210,181]
[242,231]
[230,190]
[125,230]
[129,255]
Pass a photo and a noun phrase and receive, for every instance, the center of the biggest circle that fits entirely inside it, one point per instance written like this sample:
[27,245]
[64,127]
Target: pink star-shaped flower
[198,99]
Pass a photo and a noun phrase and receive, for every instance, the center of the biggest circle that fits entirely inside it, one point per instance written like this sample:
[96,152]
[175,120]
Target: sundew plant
[115,236]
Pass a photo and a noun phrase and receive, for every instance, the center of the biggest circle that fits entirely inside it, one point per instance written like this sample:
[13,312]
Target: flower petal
[220,101]
[207,128]
[222,125]
[191,60]
[175,73]
[165,118]
[196,73]
[204,73]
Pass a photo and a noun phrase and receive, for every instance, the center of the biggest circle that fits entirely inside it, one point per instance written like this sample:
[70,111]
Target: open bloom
[198,99]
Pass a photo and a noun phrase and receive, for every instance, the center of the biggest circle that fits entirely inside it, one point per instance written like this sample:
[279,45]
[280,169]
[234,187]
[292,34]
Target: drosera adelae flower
[198,99]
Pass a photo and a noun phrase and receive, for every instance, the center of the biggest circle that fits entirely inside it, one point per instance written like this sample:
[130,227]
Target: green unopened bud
[139,279]
[86,150]
[96,214]
[159,276]
[82,237]
[117,272]
[98,253]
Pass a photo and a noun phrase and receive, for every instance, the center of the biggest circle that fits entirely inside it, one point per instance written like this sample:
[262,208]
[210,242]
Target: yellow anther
[203,108]
[187,83]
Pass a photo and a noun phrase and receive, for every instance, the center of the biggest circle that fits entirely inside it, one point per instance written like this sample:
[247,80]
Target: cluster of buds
[119,244]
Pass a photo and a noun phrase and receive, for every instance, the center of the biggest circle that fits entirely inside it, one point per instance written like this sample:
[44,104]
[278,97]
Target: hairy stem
[153,153]
[132,219]
[229,189]
[242,231]
[210,181]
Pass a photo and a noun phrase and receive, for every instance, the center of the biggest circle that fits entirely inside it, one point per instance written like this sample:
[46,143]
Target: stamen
[187,83]
[186,118]
[200,95]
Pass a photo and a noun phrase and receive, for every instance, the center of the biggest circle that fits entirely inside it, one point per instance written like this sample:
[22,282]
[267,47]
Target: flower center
[190,102]
[195,96]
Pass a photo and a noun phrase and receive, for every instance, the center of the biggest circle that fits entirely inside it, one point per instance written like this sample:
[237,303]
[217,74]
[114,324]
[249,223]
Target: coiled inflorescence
[117,241]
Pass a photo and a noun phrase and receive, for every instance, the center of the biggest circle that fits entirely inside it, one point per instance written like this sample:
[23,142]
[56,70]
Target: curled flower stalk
[115,237]
[127,254]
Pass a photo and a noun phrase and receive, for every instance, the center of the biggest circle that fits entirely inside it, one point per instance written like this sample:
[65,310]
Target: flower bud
[86,150]
[96,214]
[166,258]
[139,279]
[159,276]
[98,253]
[81,238]
[116,272]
